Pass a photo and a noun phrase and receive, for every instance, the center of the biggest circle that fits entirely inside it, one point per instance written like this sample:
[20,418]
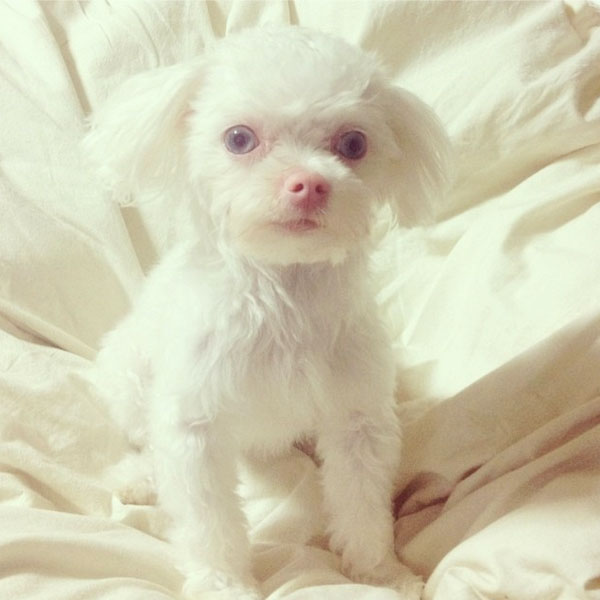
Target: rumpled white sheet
[495,310]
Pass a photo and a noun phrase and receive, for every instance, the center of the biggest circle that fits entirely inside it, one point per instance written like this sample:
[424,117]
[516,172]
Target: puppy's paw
[211,584]
[140,492]
[132,479]
[391,573]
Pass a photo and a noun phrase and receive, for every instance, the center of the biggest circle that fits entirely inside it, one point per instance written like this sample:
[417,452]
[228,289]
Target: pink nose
[307,191]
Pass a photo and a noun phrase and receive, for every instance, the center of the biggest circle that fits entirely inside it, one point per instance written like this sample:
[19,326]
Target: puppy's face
[288,140]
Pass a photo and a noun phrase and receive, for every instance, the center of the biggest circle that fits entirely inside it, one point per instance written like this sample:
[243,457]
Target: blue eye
[351,145]
[240,139]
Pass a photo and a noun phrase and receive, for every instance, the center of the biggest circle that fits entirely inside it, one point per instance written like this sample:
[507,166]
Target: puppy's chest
[284,355]
[284,378]
[289,349]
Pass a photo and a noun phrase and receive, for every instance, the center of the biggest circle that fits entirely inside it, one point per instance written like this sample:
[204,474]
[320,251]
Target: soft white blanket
[495,310]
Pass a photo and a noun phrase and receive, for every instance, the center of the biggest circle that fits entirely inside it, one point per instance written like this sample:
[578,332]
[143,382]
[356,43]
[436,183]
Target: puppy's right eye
[240,139]
[351,145]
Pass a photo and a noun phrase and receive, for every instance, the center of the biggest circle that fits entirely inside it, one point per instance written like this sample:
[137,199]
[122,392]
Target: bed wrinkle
[583,17]
[39,483]
[81,548]
[95,22]
[50,75]
[54,336]
[541,220]
[67,226]
[150,41]
[426,489]
[58,31]
[588,98]
[27,98]
[560,446]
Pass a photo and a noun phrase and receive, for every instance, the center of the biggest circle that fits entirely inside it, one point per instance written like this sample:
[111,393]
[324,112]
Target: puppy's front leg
[195,464]
[360,453]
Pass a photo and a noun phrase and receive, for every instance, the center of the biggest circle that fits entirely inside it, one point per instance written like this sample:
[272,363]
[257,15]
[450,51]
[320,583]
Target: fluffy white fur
[256,331]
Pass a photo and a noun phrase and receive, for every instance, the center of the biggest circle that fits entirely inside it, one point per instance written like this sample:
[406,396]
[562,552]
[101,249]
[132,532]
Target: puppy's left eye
[351,145]
[240,139]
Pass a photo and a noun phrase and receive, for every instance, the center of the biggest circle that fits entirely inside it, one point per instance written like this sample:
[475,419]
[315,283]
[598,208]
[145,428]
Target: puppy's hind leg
[122,375]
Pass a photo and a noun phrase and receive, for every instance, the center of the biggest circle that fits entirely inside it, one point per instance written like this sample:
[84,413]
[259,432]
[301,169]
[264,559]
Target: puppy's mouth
[302,225]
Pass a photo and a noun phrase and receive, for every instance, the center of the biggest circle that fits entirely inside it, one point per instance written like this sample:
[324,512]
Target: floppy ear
[420,158]
[136,139]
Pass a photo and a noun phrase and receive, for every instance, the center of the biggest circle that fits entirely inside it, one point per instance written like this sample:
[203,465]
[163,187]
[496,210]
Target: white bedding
[495,310]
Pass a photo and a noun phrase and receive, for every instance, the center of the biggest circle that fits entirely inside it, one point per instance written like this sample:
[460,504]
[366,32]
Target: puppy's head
[287,137]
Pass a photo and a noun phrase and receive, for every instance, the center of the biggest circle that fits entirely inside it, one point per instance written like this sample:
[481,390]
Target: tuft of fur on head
[297,90]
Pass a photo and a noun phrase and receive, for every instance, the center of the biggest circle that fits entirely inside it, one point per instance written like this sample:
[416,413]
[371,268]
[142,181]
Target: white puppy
[260,329]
